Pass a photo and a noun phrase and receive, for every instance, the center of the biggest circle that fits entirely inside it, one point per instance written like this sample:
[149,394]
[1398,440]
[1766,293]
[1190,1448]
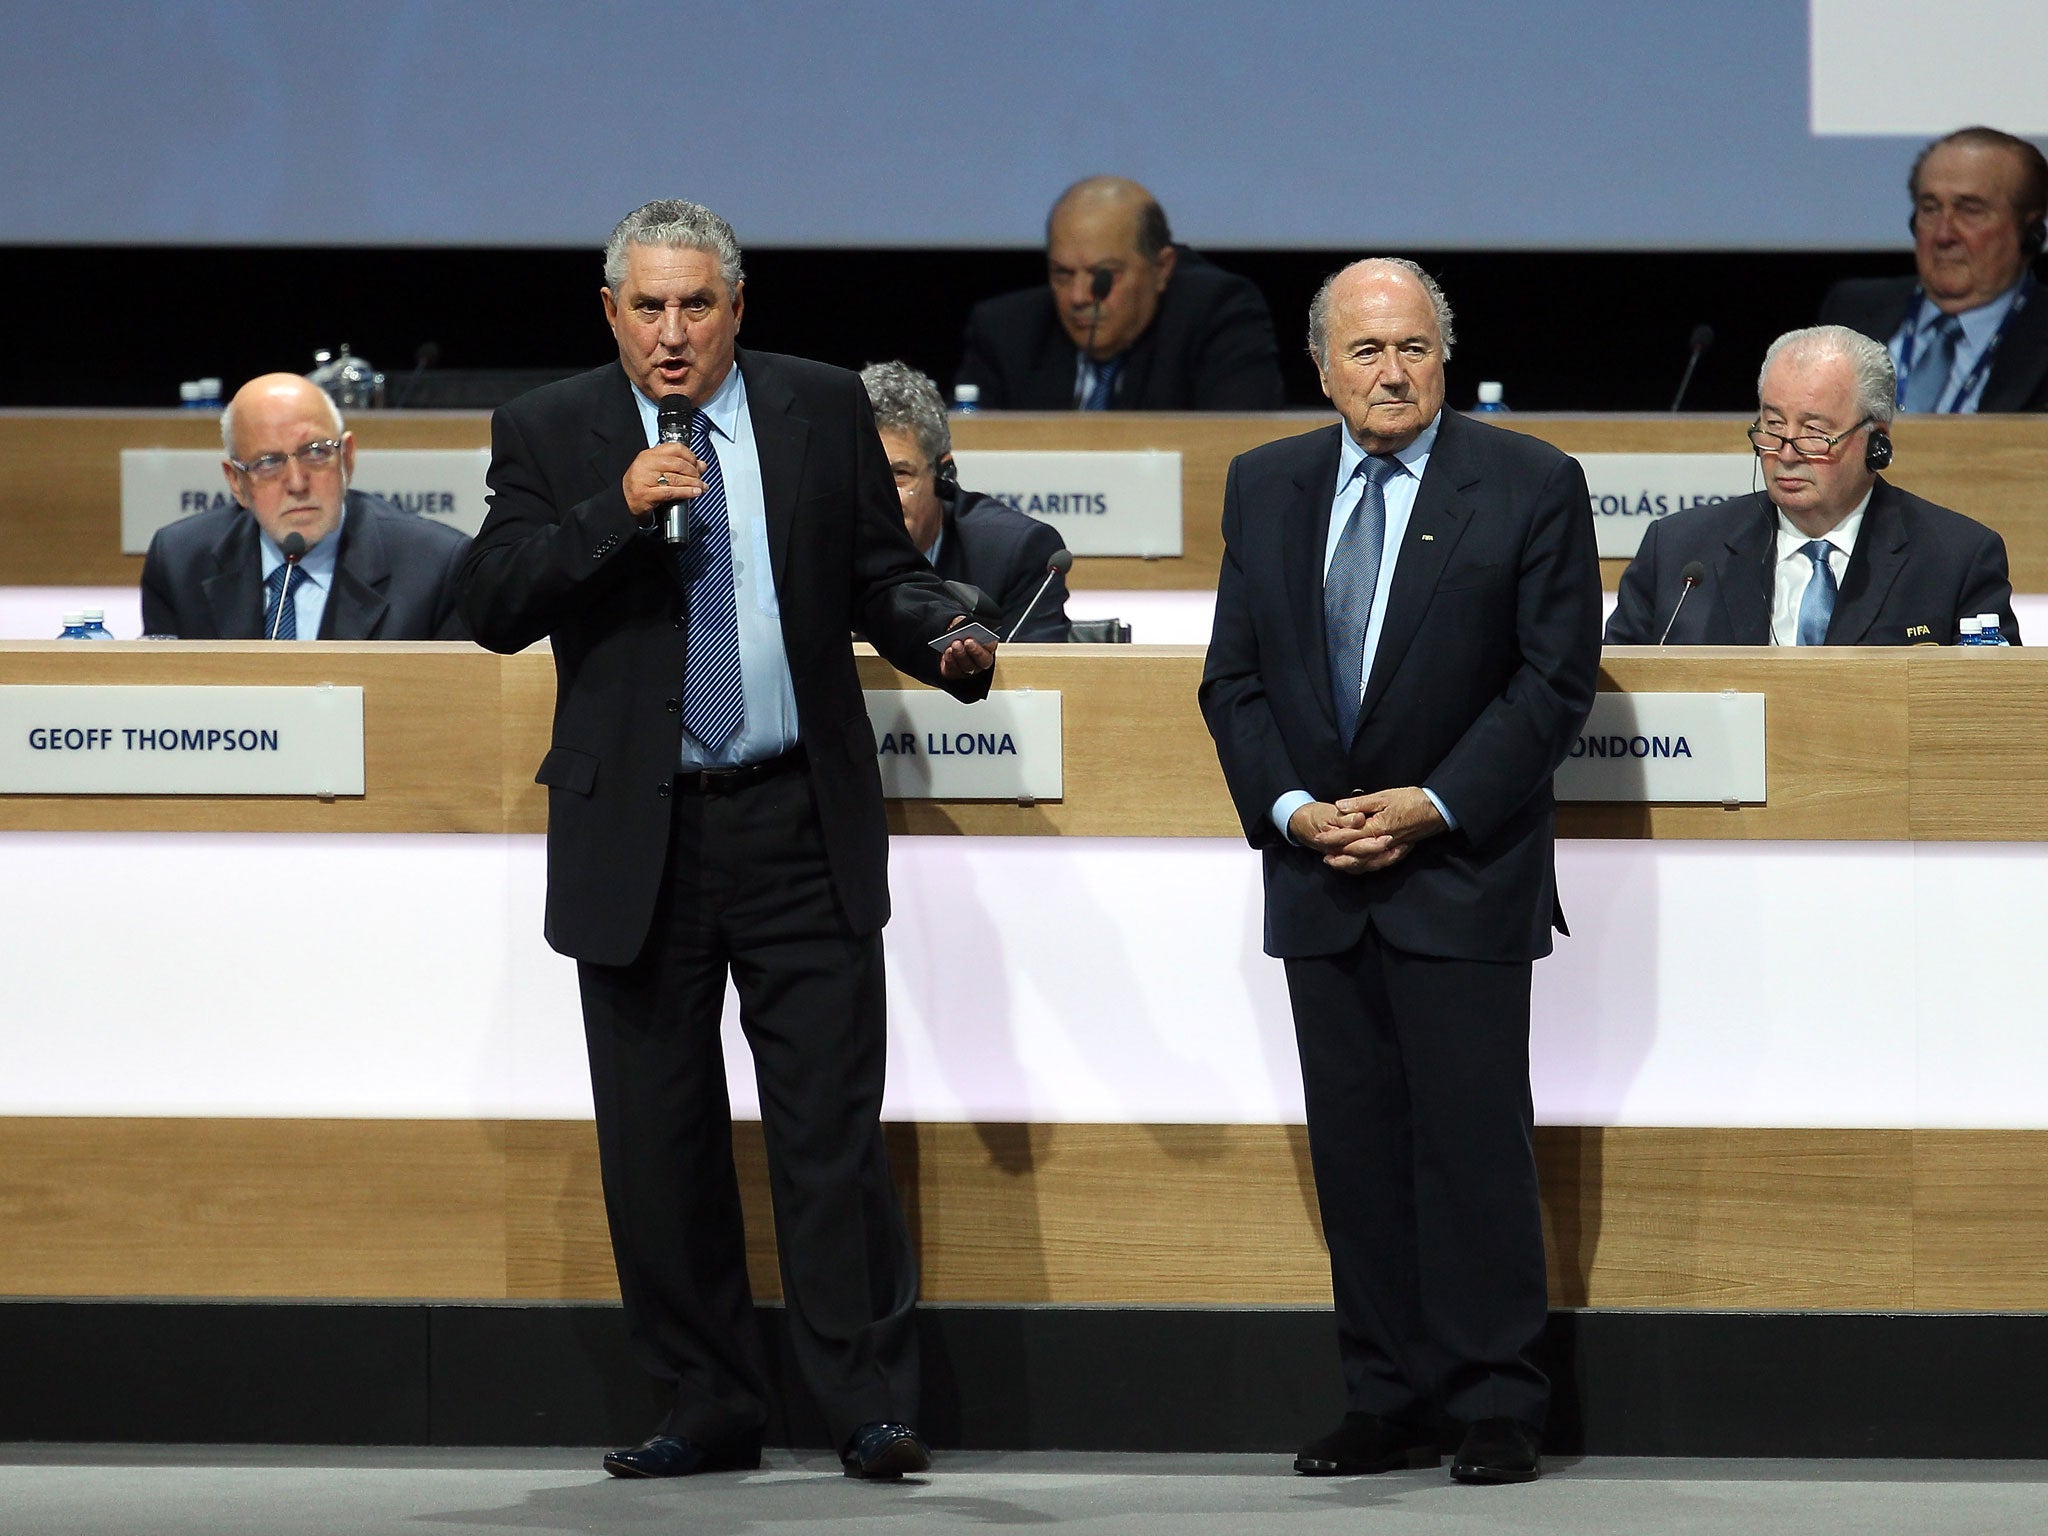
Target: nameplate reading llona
[181,740]
[933,747]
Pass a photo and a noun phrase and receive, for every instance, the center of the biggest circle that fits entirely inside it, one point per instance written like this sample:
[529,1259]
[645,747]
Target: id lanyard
[1978,369]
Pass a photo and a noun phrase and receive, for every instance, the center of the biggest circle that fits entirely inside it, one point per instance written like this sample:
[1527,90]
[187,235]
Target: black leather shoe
[1498,1451]
[885,1451]
[673,1456]
[1365,1442]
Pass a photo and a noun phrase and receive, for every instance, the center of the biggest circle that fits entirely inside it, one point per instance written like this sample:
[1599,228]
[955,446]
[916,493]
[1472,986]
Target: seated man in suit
[1128,321]
[1964,333]
[1827,553]
[363,569]
[966,536]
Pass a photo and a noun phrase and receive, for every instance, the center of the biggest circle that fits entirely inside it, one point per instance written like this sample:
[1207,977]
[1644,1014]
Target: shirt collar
[722,409]
[1414,458]
[317,564]
[1843,535]
[1979,324]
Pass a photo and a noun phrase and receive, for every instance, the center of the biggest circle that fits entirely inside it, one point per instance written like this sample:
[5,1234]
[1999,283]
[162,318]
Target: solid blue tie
[714,701]
[1817,607]
[275,584]
[1929,377]
[1349,588]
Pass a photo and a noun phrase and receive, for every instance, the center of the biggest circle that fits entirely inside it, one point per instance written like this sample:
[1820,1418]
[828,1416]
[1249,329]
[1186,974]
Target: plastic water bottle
[1990,631]
[209,393]
[1490,400]
[966,399]
[95,625]
[190,396]
[1972,631]
[74,627]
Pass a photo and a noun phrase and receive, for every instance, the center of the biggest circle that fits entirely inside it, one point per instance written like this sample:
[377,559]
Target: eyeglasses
[313,456]
[1809,446]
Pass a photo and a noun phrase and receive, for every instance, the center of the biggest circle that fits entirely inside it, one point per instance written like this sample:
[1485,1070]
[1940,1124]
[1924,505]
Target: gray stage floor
[148,1490]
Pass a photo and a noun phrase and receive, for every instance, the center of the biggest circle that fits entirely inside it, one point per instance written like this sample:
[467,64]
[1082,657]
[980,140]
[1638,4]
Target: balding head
[1111,225]
[266,431]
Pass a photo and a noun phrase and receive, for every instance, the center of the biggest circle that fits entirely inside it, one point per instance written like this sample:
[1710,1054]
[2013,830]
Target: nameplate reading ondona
[1103,503]
[161,485]
[180,740]
[1673,748]
[933,747]
[1632,490]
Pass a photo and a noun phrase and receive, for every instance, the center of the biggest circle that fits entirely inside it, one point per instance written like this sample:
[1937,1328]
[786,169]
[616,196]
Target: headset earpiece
[946,475]
[1877,450]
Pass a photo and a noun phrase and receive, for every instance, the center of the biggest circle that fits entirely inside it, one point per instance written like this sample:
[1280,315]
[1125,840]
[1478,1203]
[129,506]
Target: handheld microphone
[1059,564]
[294,547]
[1691,574]
[672,425]
[1702,338]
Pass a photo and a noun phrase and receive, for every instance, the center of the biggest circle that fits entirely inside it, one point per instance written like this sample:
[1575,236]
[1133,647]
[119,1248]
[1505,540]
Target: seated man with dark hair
[302,557]
[1128,321]
[966,536]
[1963,333]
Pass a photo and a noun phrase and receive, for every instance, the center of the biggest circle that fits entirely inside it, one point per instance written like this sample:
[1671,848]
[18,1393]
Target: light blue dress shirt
[1980,329]
[1347,495]
[310,588]
[770,727]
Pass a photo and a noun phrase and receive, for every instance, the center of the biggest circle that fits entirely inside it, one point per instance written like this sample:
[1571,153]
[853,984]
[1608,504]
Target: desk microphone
[1061,562]
[429,353]
[1691,575]
[672,425]
[1702,338]
[1098,290]
[294,547]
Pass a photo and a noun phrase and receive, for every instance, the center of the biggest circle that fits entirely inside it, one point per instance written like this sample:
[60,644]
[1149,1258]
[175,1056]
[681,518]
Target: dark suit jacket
[394,577]
[1004,552]
[2018,381]
[560,557]
[1917,572]
[1210,347]
[1484,674]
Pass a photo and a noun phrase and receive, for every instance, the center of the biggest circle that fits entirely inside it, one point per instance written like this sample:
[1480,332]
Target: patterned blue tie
[1103,385]
[275,584]
[714,702]
[1929,377]
[1818,605]
[1349,587]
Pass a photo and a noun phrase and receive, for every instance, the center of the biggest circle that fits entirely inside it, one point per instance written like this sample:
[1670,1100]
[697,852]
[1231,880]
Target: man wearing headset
[1970,332]
[1827,553]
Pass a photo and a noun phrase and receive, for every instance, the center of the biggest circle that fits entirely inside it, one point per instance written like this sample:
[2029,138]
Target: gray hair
[1877,381]
[1319,306]
[906,401]
[671,222]
[227,421]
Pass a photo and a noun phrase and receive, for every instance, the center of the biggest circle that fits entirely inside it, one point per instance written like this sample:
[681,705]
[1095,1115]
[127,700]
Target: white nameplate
[933,747]
[161,485]
[1632,490]
[84,740]
[1102,503]
[1673,748]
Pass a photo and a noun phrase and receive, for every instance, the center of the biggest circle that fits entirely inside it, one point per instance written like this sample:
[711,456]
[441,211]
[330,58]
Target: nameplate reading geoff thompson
[180,740]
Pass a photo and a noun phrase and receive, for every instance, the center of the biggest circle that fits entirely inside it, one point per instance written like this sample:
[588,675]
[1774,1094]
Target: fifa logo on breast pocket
[1914,631]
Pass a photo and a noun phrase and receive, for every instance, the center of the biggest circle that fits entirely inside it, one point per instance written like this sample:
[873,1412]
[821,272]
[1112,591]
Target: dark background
[1562,330]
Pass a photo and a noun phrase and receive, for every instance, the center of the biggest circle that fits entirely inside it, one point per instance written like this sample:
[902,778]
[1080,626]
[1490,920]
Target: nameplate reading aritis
[1102,503]
[161,485]
[1632,490]
[180,740]
[933,747]
[1668,748]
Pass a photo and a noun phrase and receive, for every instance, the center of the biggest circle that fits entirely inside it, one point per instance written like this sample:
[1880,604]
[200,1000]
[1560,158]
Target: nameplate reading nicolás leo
[1668,748]
[181,740]
[1630,491]
[933,747]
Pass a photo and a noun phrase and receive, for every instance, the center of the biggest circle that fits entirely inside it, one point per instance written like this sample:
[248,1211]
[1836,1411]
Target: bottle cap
[1988,621]
[73,620]
[1973,626]
[1490,393]
[93,615]
[209,389]
[967,394]
[188,392]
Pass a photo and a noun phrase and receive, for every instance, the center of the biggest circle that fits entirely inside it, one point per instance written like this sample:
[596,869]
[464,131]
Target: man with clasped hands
[715,810]
[1407,636]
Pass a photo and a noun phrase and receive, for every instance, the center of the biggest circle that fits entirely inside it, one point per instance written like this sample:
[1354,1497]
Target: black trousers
[1416,1072]
[747,893]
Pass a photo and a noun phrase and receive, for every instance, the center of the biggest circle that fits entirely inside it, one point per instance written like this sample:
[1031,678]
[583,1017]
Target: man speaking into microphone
[715,810]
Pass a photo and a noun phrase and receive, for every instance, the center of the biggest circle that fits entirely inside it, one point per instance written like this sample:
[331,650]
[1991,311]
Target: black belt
[718,781]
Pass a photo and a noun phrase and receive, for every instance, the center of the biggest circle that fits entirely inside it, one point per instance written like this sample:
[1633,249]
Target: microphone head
[672,408]
[428,354]
[1702,338]
[293,545]
[1100,284]
[1062,560]
[1692,573]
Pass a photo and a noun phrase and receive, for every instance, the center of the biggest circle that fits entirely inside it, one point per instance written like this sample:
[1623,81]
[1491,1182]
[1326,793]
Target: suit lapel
[2022,360]
[1435,525]
[781,437]
[1305,534]
[362,570]
[234,593]
[1880,554]
[1742,576]
[617,437]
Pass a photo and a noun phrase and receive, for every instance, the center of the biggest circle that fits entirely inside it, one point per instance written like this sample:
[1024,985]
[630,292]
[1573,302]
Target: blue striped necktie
[1349,588]
[275,584]
[714,700]
[1817,607]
